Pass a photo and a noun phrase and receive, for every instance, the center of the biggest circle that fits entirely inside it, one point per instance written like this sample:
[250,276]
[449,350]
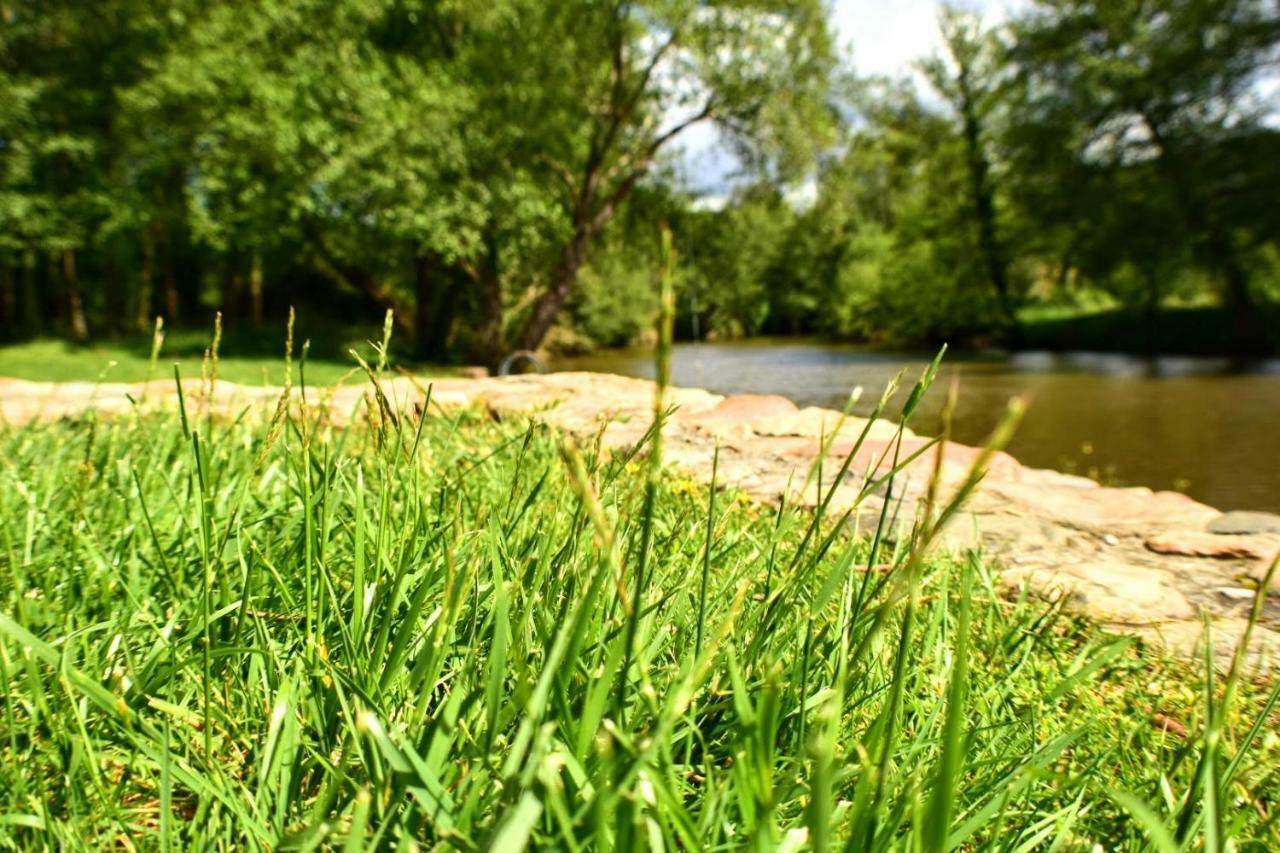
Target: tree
[459,161]
[890,240]
[969,78]
[1165,82]
[733,257]
[639,75]
[69,173]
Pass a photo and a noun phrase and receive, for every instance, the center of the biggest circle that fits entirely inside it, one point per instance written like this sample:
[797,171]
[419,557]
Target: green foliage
[456,162]
[1146,109]
[467,164]
[616,301]
[732,262]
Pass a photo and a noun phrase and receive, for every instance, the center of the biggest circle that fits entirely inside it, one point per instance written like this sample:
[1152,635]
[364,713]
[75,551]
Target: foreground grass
[459,633]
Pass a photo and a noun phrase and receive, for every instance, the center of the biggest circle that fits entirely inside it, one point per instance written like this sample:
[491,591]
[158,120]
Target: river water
[1207,427]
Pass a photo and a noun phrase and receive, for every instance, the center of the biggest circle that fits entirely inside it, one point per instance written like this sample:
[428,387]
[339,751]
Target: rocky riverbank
[1141,562]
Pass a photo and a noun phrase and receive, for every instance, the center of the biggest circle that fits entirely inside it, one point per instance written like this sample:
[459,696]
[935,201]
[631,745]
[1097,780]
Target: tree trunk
[490,284]
[31,313]
[1151,311]
[232,286]
[172,299]
[76,320]
[984,209]
[423,305]
[1210,241]
[329,264]
[8,301]
[1235,280]
[255,289]
[1214,247]
[563,280]
[146,281]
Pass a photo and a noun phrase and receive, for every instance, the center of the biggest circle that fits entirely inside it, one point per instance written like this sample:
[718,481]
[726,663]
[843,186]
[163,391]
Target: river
[1207,427]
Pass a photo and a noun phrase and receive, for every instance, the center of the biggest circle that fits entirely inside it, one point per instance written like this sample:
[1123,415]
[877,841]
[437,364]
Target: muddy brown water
[1208,427]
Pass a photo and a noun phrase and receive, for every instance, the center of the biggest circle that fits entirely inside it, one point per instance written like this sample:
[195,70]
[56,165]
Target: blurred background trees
[495,172]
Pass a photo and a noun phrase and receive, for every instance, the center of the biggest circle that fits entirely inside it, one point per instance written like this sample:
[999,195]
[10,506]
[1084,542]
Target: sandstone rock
[746,407]
[733,419]
[1192,543]
[1007,534]
[812,422]
[1259,573]
[448,399]
[797,451]
[1111,591]
[874,456]
[623,434]
[1245,523]
[1121,512]
[1186,640]
[1047,477]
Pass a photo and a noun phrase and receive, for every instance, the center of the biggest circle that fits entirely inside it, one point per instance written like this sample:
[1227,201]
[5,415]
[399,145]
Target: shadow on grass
[1208,331]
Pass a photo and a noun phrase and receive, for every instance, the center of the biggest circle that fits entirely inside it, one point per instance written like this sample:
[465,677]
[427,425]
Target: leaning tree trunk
[490,286]
[432,313]
[424,299]
[1222,260]
[984,208]
[563,280]
[1151,311]
[76,320]
[232,296]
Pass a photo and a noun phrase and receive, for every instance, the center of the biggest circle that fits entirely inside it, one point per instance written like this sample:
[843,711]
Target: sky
[880,37]
[885,36]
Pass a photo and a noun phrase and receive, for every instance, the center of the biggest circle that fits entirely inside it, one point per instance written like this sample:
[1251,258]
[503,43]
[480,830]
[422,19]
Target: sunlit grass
[244,358]
[473,634]
[59,361]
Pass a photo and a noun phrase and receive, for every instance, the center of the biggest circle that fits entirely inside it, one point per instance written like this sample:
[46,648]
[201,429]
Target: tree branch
[561,171]
[359,280]
[644,158]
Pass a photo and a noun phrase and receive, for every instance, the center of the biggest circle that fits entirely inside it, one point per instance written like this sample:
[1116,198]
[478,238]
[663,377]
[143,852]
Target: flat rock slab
[1190,543]
[1138,561]
[1240,521]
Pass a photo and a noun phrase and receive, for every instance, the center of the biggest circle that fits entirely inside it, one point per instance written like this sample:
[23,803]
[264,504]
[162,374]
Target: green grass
[249,356]
[472,635]
[59,361]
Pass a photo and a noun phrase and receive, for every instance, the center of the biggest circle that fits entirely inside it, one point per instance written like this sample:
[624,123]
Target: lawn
[471,635]
[249,355]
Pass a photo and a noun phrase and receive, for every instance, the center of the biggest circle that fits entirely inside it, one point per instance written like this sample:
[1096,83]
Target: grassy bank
[465,633]
[1200,330]
[250,355]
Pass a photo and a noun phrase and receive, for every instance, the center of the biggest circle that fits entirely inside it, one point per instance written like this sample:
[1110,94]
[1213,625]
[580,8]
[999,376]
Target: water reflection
[1205,426]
